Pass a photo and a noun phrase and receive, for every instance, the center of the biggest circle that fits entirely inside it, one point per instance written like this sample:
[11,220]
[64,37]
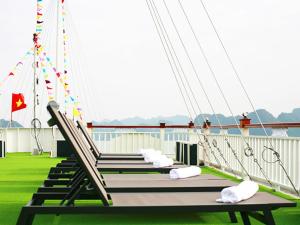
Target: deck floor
[21,174]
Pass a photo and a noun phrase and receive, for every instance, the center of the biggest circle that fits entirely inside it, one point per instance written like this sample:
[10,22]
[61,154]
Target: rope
[191,90]
[248,98]
[255,160]
[215,144]
[278,160]
[193,67]
[170,58]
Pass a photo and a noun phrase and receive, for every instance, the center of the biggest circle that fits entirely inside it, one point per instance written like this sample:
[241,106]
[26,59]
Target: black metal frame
[35,207]
[89,185]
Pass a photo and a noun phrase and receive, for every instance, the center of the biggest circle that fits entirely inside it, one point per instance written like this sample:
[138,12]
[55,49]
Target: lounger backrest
[85,146]
[89,139]
[91,174]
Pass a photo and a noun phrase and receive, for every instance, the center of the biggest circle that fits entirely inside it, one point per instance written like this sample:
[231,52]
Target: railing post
[206,132]
[5,138]
[223,131]
[89,127]
[54,143]
[245,133]
[2,155]
[191,133]
[162,135]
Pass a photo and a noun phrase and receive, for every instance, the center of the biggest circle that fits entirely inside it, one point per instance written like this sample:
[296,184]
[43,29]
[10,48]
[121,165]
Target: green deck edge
[21,174]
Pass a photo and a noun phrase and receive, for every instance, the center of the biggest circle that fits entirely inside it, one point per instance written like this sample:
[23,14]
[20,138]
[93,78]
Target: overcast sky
[118,68]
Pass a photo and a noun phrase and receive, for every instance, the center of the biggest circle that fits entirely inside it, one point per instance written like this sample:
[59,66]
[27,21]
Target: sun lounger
[139,182]
[162,184]
[106,156]
[260,206]
[57,118]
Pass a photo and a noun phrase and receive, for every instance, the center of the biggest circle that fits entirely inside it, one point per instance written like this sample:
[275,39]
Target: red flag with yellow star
[17,102]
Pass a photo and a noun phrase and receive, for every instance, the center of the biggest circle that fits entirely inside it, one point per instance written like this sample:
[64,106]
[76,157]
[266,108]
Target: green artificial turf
[21,174]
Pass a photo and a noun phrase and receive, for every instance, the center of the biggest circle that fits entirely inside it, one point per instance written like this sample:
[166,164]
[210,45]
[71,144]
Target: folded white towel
[185,172]
[163,161]
[152,156]
[238,193]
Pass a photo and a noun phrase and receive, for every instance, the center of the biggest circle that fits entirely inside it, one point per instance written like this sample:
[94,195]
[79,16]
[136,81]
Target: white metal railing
[288,148]
[130,141]
[22,140]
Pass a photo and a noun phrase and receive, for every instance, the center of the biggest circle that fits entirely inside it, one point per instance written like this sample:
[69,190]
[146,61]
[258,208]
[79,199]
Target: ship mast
[57,47]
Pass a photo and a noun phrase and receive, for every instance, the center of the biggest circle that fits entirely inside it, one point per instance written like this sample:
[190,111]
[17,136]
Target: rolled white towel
[185,172]
[242,191]
[152,156]
[144,151]
[163,161]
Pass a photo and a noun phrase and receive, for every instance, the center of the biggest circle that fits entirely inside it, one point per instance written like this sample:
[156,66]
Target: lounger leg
[232,217]
[25,218]
[269,218]
[245,218]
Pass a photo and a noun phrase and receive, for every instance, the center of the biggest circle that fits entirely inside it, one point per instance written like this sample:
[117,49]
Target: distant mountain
[294,116]
[6,123]
[265,116]
[178,119]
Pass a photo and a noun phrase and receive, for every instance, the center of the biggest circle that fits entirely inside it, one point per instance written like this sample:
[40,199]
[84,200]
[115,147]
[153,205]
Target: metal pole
[34,80]
[33,123]
[35,96]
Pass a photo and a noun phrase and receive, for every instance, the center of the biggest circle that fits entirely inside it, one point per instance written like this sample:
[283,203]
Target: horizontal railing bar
[257,125]
[136,126]
[230,126]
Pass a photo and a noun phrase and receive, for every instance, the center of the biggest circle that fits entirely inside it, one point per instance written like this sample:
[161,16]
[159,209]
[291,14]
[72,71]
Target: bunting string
[65,73]
[65,85]
[20,63]
[39,17]
[44,63]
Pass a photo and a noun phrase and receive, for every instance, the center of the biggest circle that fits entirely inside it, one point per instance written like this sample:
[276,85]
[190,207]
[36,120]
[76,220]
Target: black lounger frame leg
[245,218]
[25,218]
[232,217]
[269,219]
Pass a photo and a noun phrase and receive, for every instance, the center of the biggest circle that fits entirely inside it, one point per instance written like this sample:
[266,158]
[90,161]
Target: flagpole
[11,118]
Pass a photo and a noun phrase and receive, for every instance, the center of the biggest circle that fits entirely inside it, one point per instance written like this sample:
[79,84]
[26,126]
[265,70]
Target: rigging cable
[277,159]
[248,148]
[166,50]
[247,96]
[168,58]
[198,78]
[201,113]
[224,98]
[173,53]
[178,61]
[76,37]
